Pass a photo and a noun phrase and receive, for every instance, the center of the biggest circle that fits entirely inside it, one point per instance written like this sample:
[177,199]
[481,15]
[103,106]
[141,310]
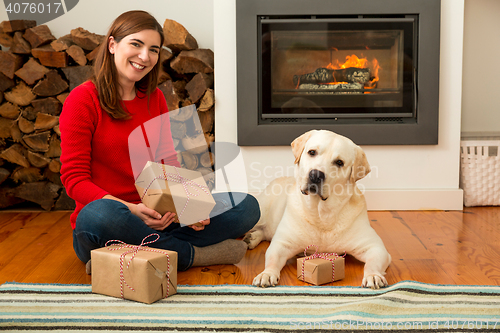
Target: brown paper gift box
[319,271]
[147,273]
[170,195]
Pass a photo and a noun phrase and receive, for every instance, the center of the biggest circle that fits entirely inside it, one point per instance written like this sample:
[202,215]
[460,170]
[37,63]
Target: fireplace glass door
[356,68]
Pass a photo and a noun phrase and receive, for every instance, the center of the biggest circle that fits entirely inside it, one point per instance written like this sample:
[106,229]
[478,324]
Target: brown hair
[105,76]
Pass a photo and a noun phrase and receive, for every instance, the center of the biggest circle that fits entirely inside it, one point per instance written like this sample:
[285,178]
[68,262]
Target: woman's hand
[149,216]
[200,225]
[152,218]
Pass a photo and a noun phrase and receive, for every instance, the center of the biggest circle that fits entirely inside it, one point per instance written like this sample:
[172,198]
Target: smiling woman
[97,120]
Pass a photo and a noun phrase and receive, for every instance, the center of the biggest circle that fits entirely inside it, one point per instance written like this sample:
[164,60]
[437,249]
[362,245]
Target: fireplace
[365,69]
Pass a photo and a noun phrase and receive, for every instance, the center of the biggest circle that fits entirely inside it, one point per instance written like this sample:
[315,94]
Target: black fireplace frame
[422,129]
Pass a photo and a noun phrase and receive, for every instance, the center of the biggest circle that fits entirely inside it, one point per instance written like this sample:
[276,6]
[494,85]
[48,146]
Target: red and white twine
[327,256]
[134,249]
[186,183]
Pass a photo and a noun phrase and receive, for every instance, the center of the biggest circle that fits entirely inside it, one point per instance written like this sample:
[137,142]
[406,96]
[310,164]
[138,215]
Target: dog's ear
[360,167]
[298,145]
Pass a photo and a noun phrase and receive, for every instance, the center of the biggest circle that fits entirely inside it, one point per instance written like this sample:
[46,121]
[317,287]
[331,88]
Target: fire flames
[355,61]
[351,61]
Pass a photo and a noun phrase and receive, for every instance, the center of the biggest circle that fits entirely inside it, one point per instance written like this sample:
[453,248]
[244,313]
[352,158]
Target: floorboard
[441,247]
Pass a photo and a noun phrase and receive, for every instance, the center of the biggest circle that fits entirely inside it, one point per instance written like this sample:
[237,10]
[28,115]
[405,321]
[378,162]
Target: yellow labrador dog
[320,205]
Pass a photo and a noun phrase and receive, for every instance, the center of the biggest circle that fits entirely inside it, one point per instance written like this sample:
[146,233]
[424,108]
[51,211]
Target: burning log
[325,75]
[343,88]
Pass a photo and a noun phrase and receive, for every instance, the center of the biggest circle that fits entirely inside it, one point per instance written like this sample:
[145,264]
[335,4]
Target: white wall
[404,177]
[97,15]
[481,100]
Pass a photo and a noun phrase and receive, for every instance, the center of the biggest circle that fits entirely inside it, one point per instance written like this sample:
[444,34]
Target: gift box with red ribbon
[320,268]
[184,192]
[134,272]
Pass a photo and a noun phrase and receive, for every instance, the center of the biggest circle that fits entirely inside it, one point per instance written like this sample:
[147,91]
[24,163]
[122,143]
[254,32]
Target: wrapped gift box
[319,271]
[152,273]
[166,188]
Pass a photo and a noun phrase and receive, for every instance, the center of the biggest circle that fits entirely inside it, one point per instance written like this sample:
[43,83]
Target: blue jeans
[102,220]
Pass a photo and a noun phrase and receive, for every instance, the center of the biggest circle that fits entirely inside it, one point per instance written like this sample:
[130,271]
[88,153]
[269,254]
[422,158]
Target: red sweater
[97,158]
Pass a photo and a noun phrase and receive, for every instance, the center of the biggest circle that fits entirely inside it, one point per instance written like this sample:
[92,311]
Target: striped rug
[406,306]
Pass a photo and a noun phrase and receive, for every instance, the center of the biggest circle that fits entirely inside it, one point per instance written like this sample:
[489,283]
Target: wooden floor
[442,247]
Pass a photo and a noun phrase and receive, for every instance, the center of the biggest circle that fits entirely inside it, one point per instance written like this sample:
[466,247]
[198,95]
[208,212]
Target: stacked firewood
[187,78]
[37,72]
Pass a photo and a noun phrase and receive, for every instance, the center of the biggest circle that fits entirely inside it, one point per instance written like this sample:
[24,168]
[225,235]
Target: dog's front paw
[266,279]
[374,281]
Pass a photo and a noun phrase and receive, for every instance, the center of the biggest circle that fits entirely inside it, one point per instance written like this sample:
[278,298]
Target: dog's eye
[312,152]
[339,163]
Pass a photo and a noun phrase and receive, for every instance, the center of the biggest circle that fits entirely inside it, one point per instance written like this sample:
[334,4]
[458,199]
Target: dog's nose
[316,176]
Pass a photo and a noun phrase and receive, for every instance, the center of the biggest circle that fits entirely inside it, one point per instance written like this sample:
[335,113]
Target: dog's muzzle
[315,183]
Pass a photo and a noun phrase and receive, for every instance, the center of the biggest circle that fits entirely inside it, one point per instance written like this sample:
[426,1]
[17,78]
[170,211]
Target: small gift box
[320,268]
[134,272]
[166,188]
